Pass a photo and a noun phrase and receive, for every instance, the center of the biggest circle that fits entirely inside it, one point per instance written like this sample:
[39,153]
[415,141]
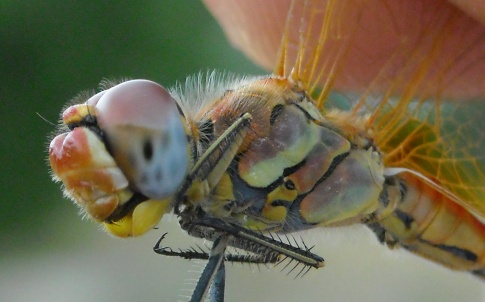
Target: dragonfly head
[125,156]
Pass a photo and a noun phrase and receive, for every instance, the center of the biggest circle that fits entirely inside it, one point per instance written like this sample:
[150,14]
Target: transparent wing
[445,146]
[421,88]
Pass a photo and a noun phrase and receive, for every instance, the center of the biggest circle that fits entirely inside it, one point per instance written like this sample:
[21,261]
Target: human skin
[256,27]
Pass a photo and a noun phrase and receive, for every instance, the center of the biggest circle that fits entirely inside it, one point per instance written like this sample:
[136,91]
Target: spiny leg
[218,285]
[213,273]
[210,167]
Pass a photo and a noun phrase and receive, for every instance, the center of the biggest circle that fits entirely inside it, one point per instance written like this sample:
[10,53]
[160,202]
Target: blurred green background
[51,50]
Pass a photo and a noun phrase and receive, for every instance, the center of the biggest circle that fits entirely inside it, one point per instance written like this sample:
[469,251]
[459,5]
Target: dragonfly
[242,159]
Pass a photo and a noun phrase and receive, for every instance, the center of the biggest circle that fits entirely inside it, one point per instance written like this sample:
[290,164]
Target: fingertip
[474,8]
[254,27]
[379,33]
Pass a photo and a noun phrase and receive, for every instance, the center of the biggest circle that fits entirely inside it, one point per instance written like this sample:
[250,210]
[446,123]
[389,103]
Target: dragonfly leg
[210,167]
[189,254]
[219,284]
[212,271]
[265,247]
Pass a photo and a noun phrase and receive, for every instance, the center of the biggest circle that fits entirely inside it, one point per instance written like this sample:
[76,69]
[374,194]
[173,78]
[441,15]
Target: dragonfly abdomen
[432,225]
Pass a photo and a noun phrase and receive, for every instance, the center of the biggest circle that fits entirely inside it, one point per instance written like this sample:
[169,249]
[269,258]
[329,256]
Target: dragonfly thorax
[294,169]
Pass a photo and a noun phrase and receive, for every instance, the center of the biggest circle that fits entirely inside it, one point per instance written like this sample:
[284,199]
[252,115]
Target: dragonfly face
[124,156]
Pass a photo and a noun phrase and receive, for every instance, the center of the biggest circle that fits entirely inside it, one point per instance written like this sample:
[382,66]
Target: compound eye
[145,134]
